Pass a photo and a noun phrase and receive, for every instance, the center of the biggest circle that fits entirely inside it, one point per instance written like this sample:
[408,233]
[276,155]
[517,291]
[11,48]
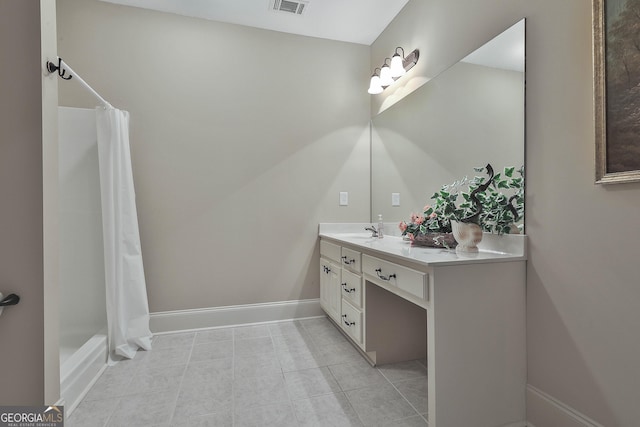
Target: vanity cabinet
[352,315]
[330,273]
[344,274]
[464,312]
[341,293]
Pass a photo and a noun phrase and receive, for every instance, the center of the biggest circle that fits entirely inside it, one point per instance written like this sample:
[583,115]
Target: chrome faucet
[372,229]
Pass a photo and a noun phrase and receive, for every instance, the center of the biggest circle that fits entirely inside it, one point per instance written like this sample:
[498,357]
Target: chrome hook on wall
[52,68]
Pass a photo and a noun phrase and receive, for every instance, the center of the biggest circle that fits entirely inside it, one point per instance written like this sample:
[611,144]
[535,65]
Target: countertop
[493,248]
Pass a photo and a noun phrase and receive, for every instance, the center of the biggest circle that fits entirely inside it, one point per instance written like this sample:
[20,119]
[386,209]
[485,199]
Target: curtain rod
[62,69]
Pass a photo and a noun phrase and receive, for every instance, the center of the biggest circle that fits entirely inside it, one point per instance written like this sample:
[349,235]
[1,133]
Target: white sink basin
[358,236]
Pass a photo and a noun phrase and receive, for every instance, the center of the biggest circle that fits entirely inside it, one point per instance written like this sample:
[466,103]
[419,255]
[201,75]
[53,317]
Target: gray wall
[582,279]
[241,142]
[225,182]
[28,213]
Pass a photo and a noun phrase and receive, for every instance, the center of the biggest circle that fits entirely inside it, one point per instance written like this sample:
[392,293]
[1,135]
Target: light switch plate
[395,199]
[344,198]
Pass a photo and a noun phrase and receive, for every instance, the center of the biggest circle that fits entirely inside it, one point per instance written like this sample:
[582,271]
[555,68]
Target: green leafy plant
[502,202]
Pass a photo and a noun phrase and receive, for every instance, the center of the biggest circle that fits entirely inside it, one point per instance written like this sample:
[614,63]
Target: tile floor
[295,373]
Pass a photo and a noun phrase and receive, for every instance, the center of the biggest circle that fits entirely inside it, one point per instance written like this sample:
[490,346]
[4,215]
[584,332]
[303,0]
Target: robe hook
[61,72]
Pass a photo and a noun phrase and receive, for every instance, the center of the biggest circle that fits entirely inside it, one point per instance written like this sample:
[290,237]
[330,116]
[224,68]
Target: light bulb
[385,76]
[375,87]
[397,66]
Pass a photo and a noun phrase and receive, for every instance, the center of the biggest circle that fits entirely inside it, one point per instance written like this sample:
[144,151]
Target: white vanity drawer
[351,259]
[352,321]
[329,250]
[389,274]
[351,285]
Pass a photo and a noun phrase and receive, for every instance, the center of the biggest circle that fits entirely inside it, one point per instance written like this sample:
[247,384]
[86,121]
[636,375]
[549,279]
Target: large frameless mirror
[469,115]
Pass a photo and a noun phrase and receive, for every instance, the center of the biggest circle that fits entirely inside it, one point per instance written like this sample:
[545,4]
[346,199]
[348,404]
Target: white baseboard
[81,371]
[181,320]
[545,410]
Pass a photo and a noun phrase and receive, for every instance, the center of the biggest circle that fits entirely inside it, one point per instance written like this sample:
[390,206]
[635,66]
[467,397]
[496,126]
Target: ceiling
[355,21]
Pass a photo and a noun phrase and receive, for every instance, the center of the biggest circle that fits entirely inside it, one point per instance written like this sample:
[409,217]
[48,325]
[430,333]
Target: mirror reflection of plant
[503,202]
[502,205]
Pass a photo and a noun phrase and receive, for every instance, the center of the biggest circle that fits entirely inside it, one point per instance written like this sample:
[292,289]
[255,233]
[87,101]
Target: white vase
[467,234]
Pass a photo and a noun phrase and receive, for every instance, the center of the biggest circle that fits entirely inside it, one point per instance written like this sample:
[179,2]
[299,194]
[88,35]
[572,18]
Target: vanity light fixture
[389,74]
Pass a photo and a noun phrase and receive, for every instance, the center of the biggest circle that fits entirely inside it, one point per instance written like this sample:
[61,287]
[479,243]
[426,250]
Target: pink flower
[426,208]
[419,219]
[410,235]
[413,217]
[433,215]
[402,226]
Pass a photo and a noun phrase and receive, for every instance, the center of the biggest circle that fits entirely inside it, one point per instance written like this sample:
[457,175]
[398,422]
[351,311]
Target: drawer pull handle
[344,287]
[348,261]
[346,322]
[326,269]
[387,278]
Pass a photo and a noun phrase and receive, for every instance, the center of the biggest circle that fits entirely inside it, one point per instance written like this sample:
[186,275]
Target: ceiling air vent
[290,6]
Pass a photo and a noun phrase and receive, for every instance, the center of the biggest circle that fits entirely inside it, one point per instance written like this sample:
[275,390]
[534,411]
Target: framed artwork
[616,54]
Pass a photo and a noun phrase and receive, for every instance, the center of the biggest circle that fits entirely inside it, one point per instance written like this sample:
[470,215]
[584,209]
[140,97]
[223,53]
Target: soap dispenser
[380,227]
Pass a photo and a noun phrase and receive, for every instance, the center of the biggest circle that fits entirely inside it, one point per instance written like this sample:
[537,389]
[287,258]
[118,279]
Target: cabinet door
[330,288]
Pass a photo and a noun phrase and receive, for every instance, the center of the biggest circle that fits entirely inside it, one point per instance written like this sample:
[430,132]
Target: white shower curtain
[127,305]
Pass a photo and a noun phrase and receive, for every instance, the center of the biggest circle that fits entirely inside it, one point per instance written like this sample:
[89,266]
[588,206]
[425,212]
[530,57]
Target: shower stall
[83,316]
[104,312]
